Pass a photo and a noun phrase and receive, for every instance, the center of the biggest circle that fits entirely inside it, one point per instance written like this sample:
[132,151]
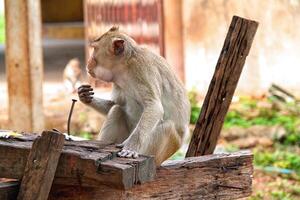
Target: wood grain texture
[41,166]
[84,163]
[219,176]
[222,86]
[24,64]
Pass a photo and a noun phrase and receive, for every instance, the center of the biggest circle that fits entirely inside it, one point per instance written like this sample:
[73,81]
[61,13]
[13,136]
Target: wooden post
[173,36]
[222,86]
[41,166]
[24,64]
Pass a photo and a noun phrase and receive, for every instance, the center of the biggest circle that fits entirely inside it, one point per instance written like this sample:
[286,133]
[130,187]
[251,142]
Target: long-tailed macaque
[72,75]
[149,110]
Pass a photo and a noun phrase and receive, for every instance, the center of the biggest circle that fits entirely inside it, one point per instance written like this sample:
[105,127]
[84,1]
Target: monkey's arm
[148,97]
[141,135]
[101,105]
[152,114]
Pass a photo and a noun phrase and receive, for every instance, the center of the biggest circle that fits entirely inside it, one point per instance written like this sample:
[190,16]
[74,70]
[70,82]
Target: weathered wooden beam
[219,176]
[84,163]
[222,86]
[24,64]
[9,190]
[41,166]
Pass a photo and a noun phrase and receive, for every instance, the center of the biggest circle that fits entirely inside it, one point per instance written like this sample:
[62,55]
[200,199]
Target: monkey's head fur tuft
[114,28]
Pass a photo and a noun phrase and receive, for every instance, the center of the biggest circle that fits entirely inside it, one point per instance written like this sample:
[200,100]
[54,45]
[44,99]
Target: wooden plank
[85,163]
[36,66]
[173,36]
[24,65]
[41,166]
[219,176]
[9,190]
[222,86]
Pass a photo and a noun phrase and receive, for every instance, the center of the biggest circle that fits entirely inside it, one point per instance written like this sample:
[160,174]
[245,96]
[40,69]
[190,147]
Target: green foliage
[195,111]
[241,116]
[2,29]
[281,158]
[235,118]
[195,108]
[258,196]
[179,155]
[277,189]
[274,195]
[86,135]
[280,195]
[231,148]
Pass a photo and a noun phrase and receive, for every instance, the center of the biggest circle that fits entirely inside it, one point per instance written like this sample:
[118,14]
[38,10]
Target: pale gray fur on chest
[133,111]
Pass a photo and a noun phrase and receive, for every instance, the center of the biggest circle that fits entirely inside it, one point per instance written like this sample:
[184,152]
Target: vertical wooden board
[222,86]
[17,65]
[41,166]
[36,63]
[23,57]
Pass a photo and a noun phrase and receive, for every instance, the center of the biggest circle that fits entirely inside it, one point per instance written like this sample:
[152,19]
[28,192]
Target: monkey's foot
[125,153]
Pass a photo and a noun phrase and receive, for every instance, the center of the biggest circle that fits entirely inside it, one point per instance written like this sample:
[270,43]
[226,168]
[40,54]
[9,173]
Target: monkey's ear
[118,46]
[114,28]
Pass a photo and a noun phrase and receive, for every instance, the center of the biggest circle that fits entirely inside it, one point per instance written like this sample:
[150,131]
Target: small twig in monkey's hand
[70,115]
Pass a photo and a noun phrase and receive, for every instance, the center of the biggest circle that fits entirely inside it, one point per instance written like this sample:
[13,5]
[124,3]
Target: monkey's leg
[163,142]
[114,128]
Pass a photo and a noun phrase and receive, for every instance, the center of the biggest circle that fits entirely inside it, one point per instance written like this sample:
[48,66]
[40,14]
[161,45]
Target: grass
[283,159]
[276,189]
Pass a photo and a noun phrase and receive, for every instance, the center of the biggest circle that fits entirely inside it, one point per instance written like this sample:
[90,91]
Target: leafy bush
[280,158]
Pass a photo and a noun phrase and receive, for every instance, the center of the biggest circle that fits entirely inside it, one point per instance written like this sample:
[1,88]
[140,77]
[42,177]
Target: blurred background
[43,51]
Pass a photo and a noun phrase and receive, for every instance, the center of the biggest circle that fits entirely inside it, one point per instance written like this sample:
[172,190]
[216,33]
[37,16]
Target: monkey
[149,110]
[72,75]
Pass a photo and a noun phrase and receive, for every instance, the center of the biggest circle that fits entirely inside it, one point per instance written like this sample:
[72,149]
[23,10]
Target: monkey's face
[108,53]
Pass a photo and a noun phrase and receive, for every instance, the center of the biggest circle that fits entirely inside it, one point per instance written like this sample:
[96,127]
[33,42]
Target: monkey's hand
[129,148]
[85,94]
